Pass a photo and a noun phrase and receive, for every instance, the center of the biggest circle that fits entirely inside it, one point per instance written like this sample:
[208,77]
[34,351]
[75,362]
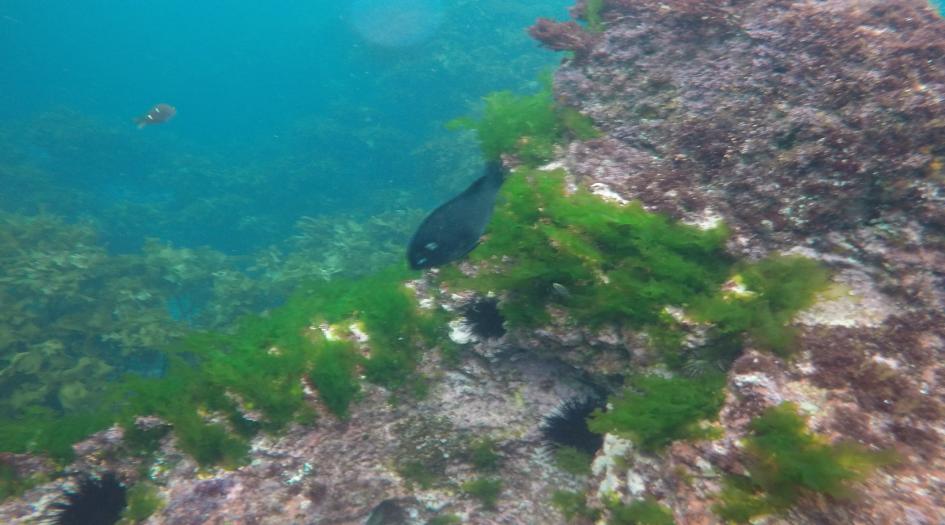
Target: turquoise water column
[940,5]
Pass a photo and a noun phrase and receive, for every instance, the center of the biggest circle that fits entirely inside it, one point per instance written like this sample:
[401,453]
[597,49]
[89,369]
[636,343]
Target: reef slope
[811,127]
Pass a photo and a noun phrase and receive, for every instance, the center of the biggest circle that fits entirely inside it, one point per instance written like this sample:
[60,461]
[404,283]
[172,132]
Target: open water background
[285,109]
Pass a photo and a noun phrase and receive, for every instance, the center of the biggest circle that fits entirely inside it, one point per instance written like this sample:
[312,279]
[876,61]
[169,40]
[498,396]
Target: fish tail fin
[141,122]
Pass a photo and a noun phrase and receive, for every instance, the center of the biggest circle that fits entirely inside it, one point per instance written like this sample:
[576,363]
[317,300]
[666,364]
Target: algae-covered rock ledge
[711,292]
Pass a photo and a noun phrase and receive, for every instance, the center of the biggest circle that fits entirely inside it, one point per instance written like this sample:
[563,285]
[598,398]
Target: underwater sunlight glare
[396,23]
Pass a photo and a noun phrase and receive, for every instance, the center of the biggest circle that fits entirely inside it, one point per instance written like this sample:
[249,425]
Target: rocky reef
[812,127]
[813,130]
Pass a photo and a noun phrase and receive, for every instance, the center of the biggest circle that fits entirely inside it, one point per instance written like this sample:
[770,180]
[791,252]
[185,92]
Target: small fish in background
[159,114]
[453,230]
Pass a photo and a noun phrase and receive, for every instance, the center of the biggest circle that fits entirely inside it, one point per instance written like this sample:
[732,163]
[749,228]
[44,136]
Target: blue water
[285,109]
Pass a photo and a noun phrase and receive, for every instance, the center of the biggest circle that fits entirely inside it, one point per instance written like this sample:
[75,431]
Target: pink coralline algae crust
[805,116]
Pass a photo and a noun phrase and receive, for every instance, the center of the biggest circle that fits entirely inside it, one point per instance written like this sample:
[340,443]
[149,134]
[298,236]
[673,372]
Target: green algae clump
[143,501]
[527,126]
[785,461]
[573,461]
[641,512]
[573,505]
[219,388]
[13,483]
[332,374]
[483,455]
[602,261]
[764,297]
[655,411]
[259,368]
[592,10]
[485,490]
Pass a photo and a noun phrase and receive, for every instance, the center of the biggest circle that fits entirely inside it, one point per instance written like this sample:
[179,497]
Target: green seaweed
[44,430]
[615,263]
[388,310]
[575,125]
[10,481]
[332,374]
[573,461]
[605,263]
[592,9]
[483,455]
[142,440]
[143,501]
[445,519]
[485,490]
[263,361]
[213,378]
[573,505]
[775,289]
[655,411]
[419,473]
[210,444]
[641,512]
[785,461]
[527,126]
[13,483]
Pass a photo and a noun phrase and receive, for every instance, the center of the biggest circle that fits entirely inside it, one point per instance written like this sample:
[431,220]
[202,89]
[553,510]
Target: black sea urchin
[484,319]
[96,501]
[566,426]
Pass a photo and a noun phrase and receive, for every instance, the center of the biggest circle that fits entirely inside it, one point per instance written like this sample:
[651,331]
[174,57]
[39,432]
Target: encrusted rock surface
[336,472]
[812,127]
[790,118]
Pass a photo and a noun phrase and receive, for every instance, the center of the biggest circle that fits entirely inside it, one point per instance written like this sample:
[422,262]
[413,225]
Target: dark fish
[453,230]
[158,115]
